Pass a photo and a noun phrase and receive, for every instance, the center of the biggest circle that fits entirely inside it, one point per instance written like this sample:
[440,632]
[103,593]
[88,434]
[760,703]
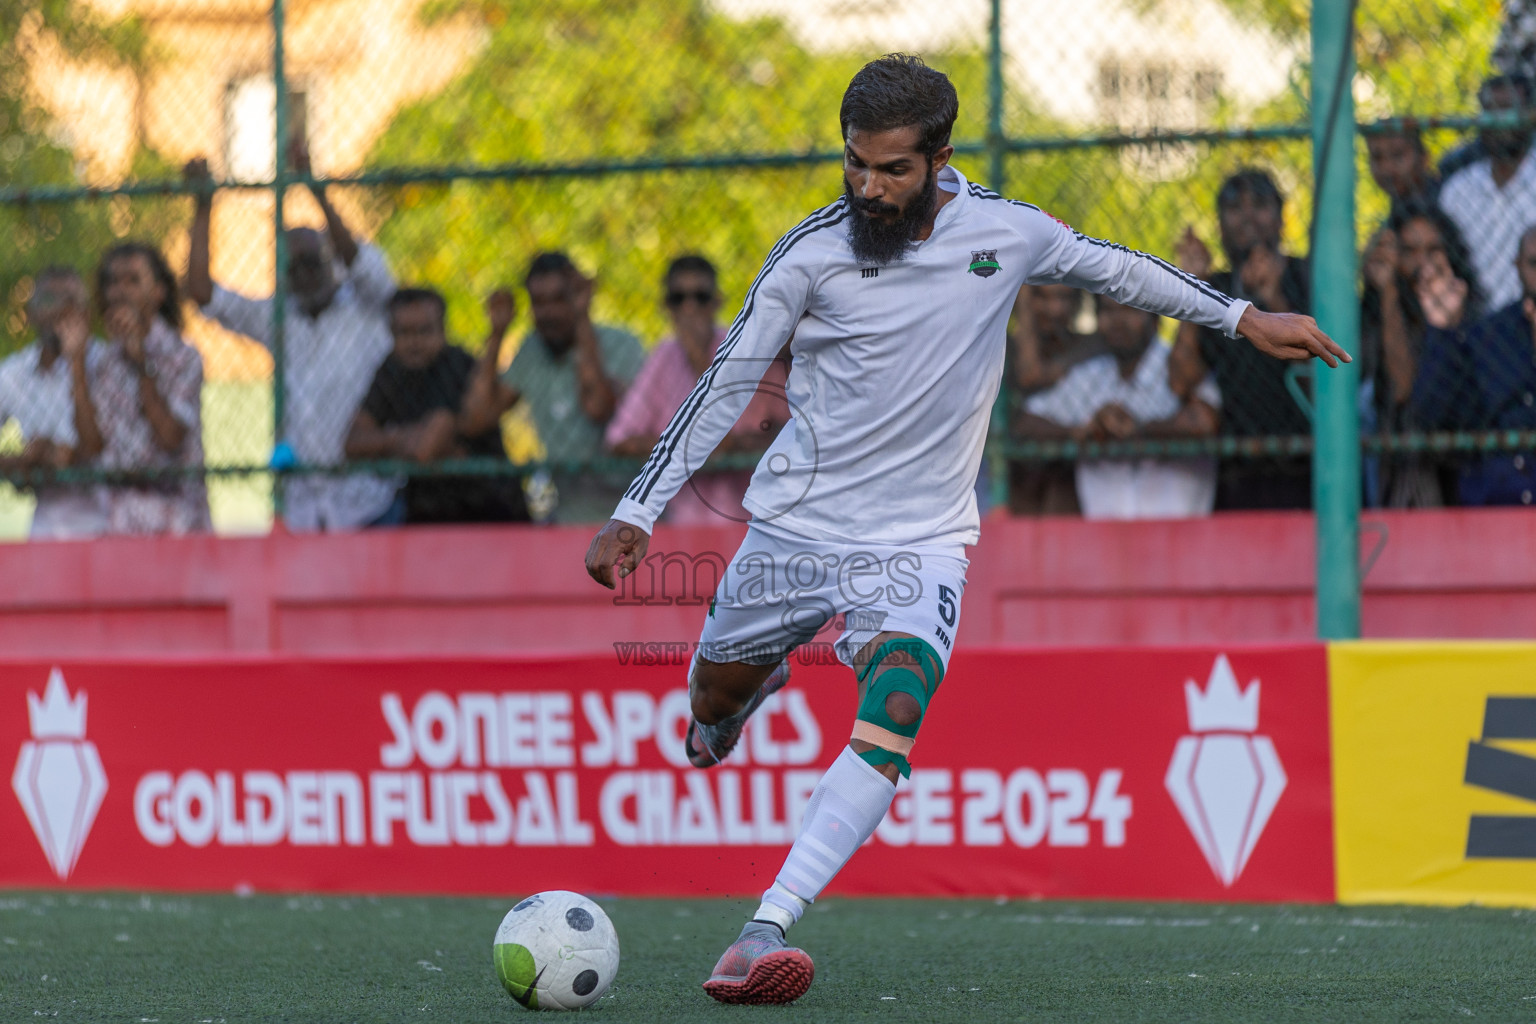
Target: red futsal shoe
[760,968]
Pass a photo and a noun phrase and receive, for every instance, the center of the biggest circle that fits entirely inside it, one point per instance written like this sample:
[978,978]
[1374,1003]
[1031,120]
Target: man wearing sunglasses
[692,298]
[335,335]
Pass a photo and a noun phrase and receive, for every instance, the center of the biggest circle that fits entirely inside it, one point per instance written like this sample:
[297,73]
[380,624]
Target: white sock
[780,906]
[844,810]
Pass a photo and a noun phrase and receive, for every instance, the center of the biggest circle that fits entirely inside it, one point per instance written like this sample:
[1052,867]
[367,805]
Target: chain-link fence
[444,145]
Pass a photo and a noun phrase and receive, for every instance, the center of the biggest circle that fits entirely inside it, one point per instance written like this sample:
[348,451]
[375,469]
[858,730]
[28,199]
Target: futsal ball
[556,950]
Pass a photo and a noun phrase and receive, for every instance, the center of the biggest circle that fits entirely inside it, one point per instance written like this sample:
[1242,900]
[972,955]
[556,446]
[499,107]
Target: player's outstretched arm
[617,544]
[1146,282]
[1289,336]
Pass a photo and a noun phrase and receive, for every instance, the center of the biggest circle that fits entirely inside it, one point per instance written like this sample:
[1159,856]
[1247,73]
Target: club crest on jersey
[984,262]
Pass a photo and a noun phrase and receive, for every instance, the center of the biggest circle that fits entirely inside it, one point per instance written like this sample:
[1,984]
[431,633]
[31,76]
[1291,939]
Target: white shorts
[780,590]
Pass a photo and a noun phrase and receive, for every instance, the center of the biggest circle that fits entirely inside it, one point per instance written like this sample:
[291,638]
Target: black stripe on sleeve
[985,193]
[661,456]
[1189,279]
[642,484]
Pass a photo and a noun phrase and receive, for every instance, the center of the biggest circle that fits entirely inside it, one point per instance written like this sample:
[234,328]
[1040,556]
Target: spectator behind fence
[1494,199]
[1481,375]
[1254,397]
[37,389]
[1416,264]
[1121,395]
[430,401]
[572,373]
[1401,167]
[143,408]
[691,294]
[1041,350]
[335,335]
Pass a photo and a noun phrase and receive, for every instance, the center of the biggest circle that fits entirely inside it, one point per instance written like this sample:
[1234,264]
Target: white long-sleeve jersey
[895,368]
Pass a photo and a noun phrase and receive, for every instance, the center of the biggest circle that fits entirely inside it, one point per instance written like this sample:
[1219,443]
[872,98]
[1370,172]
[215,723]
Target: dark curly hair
[900,91]
[170,306]
[1456,253]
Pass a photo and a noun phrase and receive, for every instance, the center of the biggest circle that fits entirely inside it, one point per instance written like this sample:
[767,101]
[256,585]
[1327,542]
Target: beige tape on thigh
[882,738]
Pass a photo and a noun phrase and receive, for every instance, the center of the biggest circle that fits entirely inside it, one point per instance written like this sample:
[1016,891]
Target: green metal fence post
[280,241]
[997,173]
[997,145]
[1336,424]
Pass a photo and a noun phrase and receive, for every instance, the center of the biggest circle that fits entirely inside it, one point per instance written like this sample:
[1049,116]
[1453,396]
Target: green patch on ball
[515,968]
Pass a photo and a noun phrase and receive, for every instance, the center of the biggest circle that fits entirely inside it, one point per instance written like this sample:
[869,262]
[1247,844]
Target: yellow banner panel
[1434,772]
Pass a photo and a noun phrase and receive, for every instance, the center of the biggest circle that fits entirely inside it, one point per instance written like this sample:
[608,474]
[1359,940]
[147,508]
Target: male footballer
[897,298]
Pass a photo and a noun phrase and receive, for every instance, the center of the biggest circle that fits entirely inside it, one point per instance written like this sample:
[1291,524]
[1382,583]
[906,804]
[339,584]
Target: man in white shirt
[897,297]
[335,335]
[1493,201]
[1121,395]
[38,387]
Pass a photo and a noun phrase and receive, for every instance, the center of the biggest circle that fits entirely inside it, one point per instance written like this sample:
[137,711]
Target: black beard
[882,242]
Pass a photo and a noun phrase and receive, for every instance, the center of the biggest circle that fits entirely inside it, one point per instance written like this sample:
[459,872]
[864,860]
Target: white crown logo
[58,778]
[57,716]
[1222,707]
[1225,780]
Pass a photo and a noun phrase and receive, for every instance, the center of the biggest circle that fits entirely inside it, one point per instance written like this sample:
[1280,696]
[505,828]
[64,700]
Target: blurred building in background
[207,90]
[1091,63]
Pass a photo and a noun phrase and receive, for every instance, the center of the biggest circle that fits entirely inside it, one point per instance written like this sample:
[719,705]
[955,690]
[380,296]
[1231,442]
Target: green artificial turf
[135,958]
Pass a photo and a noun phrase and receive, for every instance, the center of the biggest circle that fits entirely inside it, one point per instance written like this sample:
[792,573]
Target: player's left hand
[1289,336]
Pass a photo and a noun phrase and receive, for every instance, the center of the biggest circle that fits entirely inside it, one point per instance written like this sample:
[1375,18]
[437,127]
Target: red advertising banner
[1156,774]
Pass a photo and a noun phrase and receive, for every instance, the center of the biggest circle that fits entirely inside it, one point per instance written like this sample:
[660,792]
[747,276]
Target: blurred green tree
[1413,57]
[33,151]
[586,80]
[589,80]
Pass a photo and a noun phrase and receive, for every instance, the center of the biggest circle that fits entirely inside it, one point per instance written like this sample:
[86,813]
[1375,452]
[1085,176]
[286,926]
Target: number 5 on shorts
[947,605]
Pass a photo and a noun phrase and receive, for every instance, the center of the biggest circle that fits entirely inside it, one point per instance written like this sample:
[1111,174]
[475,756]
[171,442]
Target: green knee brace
[874,724]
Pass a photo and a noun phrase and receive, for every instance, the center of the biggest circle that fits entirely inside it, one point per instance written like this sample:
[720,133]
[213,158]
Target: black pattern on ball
[580,921]
[586,981]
